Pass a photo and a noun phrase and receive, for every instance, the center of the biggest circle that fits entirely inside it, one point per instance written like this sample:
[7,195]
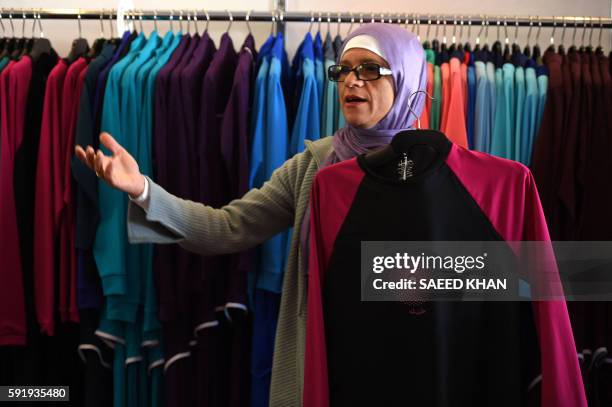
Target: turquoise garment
[492,87]
[306,125]
[542,91]
[530,112]
[482,125]
[503,134]
[3,63]
[330,98]
[519,103]
[111,239]
[471,82]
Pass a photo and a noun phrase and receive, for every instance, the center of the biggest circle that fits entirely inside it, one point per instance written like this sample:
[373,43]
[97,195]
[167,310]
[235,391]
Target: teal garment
[3,63]
[492,97]
[482,115]
[530,112]
[111,239]
[499,125]
[436,103]
[542,91]
[519,103]
[306,125]
[319,69]
[430,56]
[503,135]
[329,99]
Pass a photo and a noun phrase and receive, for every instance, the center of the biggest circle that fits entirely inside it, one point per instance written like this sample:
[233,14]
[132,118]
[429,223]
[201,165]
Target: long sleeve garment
[320,73]
[71,95]
[446,93]
[47,205]
[89,288]
[545,162]
[471,77]
[542,74]
[14,82]
[334,331]
[110,243]
[242,224]
[436,104]
[519,103]
[502,144]
[530,112]
[453,122]
[482,125]
[307,121]
[330,98]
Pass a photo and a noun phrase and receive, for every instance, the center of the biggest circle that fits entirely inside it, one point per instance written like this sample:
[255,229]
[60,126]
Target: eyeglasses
[368,71]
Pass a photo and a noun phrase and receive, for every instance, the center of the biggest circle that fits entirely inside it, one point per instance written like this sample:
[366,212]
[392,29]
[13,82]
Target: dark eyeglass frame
[382,71]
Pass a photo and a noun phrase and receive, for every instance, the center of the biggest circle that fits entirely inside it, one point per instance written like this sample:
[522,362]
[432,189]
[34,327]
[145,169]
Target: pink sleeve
[508,184]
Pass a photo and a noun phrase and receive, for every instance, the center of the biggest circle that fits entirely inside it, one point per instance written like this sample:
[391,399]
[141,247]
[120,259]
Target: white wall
[62,32]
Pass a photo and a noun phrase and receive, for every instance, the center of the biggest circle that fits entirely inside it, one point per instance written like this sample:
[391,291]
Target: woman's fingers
[81,155]
[109,142]
[91,156]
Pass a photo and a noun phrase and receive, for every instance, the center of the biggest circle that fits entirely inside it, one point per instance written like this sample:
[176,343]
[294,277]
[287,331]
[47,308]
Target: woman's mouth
[353,100]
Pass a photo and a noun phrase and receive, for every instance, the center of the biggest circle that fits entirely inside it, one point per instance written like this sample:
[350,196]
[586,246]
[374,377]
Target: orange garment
[464,84]
[445,102]
[453,124]
[430,86]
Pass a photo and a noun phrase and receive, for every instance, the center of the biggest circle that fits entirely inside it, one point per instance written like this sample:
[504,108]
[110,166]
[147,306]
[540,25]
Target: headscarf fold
[406,58]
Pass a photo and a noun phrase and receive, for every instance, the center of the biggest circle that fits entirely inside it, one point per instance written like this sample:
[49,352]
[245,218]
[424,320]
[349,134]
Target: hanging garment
[482,125]
[320,73]
[330,98]
[453,119]
[530,112]
[339,120]
[429,55]
[14,82]
[519,103]
[48,198]
[306,125]
[542,74]
[333,376]
[436,104]
[470,112]
[446,93]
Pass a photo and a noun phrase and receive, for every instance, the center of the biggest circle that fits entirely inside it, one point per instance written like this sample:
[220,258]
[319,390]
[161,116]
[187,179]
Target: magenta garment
[48,199]
[505,194]
[14,82]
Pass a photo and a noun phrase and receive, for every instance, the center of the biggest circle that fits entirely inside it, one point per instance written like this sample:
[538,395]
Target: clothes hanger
[517,54]
[4,39]
[507,53]
[401,143]
[11,41]
[28,41]
[573,47]
[80,46]
[551,47]
[467,46]
[98,44]
[20,42]
[435,44]
[41,46]
[590,46]
[527,49]
[537,54]
[427,43]
[599,50]
[560,47]
[453,45]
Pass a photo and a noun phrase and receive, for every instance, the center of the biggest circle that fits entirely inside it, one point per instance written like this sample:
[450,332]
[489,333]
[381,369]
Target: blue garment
[330,97]
[498,141]
[306,124]
[471,77]
[530,112]
[503,133]
[482,110]
[319,68]
[3,62]
[519,103]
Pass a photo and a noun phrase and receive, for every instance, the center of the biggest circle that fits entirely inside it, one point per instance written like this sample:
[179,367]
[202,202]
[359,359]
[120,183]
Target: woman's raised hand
[119,170]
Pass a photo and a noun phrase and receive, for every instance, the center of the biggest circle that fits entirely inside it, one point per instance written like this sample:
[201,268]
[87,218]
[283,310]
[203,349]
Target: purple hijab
[406,58]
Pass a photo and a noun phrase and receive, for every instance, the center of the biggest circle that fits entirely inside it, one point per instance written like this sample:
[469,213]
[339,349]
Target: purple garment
[235,154]
[406,57]
[215,93]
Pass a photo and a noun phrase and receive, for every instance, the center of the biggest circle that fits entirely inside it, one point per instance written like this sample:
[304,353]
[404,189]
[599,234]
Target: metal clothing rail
[279,16]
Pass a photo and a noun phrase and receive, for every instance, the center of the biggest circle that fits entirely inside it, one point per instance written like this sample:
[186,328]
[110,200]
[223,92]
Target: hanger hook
[188,21]
[410,100]
[552,35]
[600,31]
[444,36]
[231,20]
[319,23]
[352,23]
[584,28]
[506,39]
[360,19]
[311,21]
[537,39]
[181,20]
[2,25]
[101,24]
[591,32]
[575,29]
[155,19]
[171,19]
[372,18]
[23,16]
[460,27]
[273,20]
[207,20]
[246,19]
[454,38]
[195,21]
[79,20]
[140,14]
[328,23]
[339,23]
[428,25]
[33,24]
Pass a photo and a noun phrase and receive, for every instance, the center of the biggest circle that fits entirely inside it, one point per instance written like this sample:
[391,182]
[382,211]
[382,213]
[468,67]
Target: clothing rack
[311,17]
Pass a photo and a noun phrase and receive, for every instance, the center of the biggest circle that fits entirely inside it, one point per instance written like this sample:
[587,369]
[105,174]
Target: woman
[377,102]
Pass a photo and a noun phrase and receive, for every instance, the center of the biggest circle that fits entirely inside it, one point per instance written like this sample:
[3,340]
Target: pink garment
[49,198]
[14,84]
[507,195]
[453,120]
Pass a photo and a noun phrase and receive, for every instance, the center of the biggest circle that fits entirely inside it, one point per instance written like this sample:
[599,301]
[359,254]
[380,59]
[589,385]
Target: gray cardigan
[244,223]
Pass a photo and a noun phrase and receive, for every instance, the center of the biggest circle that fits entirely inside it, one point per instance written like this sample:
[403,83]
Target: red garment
[506,193]
[453,120]
[71,95]
[430,88]
[14,83]
[49,196]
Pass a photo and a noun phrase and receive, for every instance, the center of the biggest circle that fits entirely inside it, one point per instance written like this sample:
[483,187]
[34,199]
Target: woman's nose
[351,80]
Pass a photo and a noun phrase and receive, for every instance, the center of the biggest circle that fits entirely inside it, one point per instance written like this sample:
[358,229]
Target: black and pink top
[454,353]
